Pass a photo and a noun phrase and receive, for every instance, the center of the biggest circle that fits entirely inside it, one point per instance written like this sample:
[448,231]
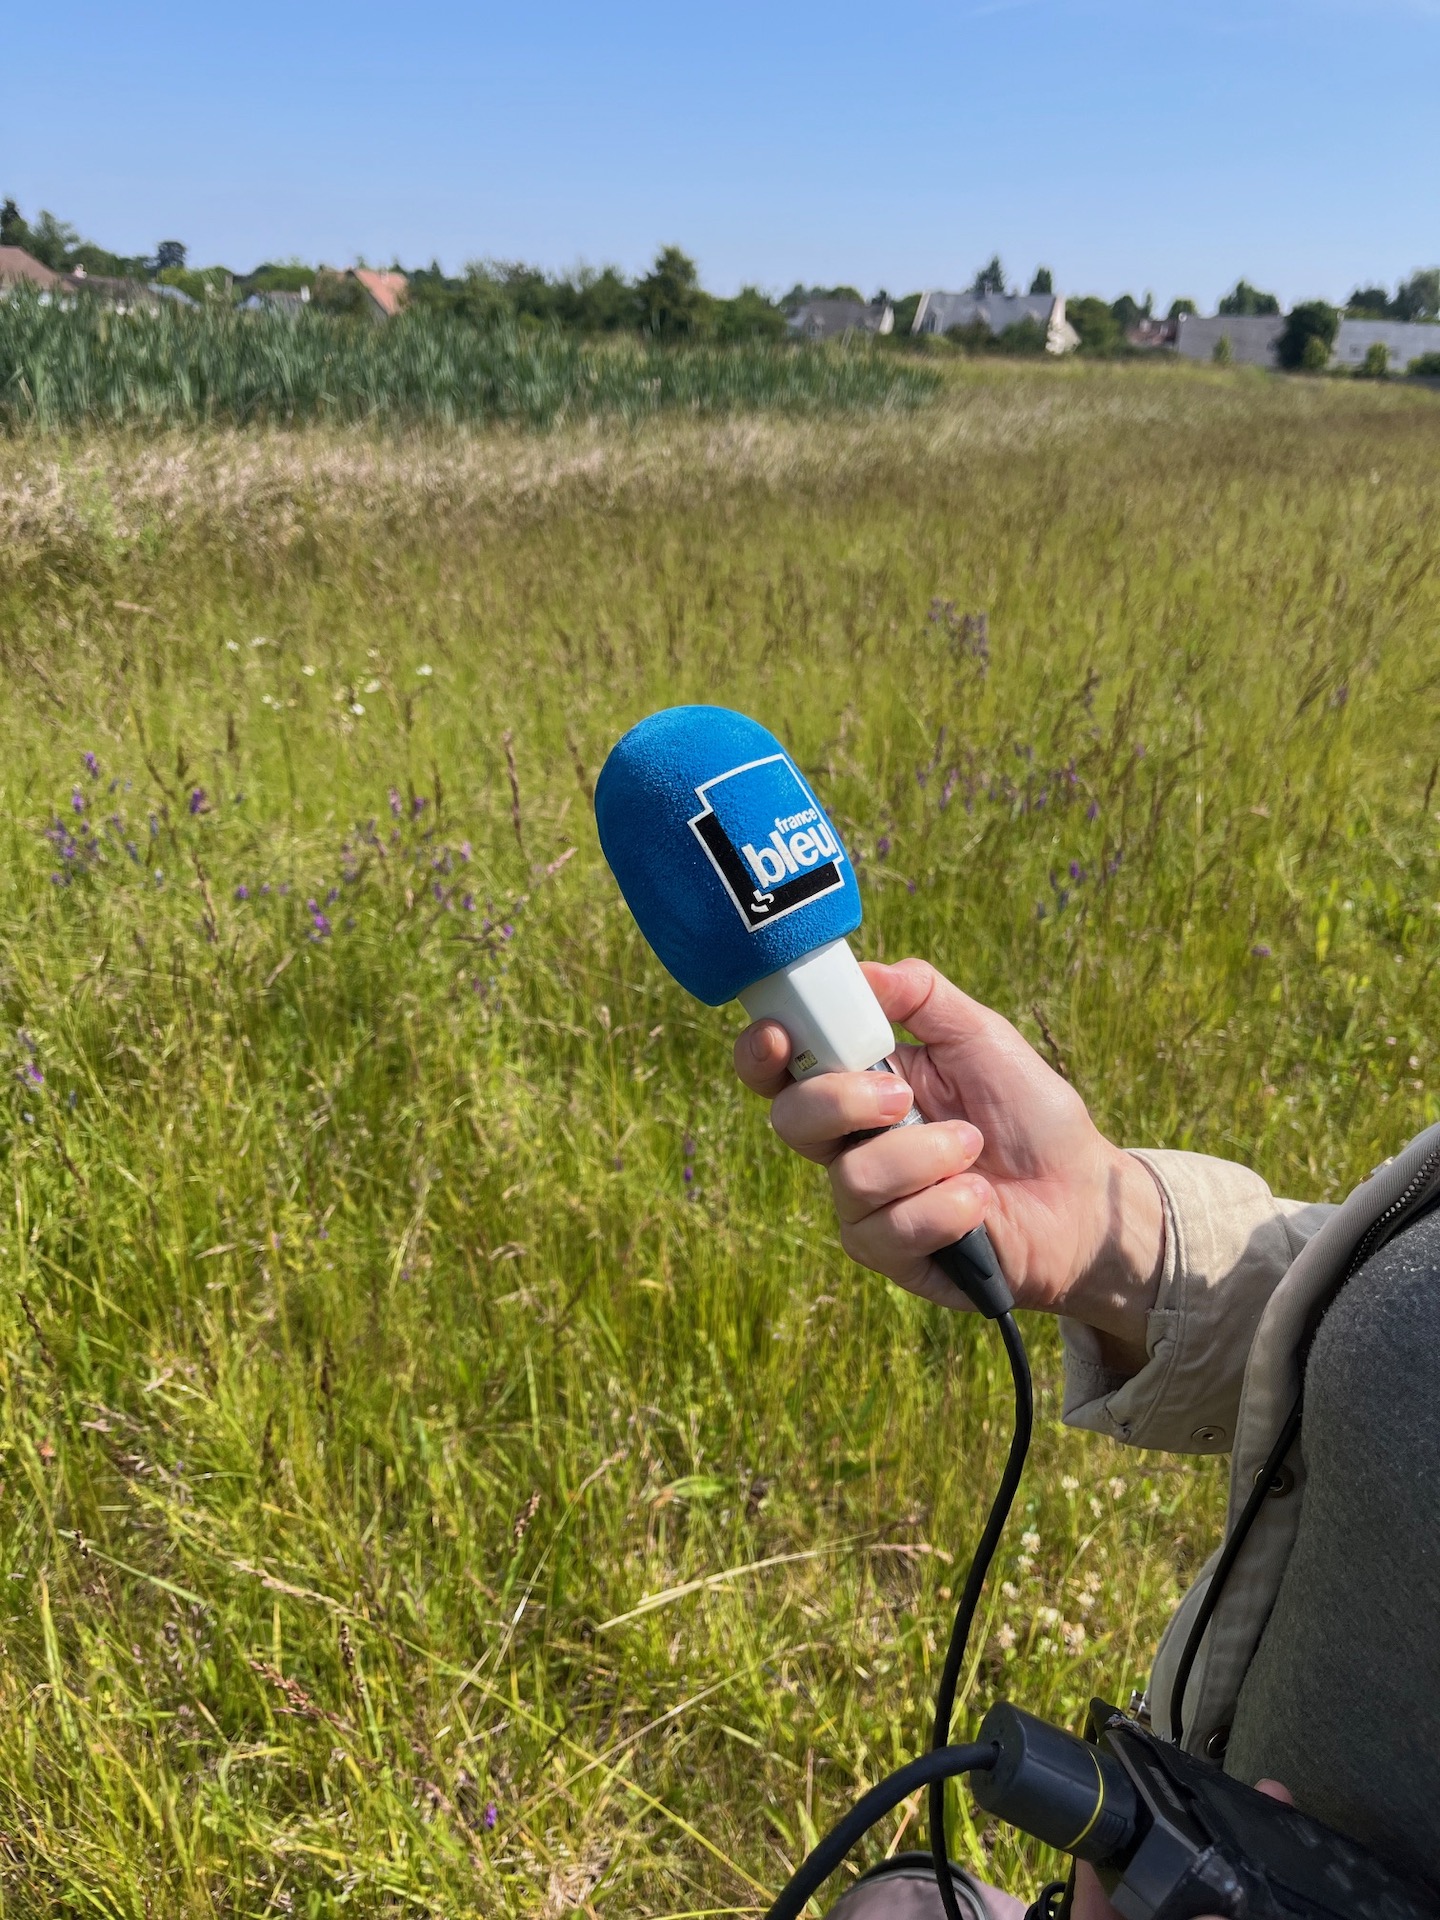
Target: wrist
[1119,1285]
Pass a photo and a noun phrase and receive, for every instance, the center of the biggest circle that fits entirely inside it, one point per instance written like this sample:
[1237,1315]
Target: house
[1404,340]
[21,269]
[277,300]
[1150,334]
[940,312]
[385,292]
[125,296]
[839,319]
[1250,337]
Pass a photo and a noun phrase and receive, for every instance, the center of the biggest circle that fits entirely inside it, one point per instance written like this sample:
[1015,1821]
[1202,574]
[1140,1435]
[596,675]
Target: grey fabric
[1342,1699]
[908,1892]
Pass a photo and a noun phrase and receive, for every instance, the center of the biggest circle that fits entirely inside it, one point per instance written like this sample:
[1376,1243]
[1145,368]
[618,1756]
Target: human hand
[1077,1224]
[1090,1902]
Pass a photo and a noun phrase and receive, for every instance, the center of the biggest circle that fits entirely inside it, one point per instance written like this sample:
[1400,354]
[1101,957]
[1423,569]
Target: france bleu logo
[768,839]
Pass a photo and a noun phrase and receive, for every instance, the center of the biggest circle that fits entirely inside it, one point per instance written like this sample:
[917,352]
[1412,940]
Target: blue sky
[1128,146]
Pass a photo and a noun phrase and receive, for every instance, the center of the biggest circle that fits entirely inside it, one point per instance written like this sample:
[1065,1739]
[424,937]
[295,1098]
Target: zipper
[1381,1229]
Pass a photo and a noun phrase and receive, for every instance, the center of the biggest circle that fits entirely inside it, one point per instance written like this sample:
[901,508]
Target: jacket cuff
[1228,1242]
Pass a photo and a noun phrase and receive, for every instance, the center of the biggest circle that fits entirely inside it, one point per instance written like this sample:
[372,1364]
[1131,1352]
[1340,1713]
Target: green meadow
[446,1465]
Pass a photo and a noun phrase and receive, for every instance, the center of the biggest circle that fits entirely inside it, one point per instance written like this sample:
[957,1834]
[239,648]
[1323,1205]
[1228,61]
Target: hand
[1077,1225]
[1090,1902]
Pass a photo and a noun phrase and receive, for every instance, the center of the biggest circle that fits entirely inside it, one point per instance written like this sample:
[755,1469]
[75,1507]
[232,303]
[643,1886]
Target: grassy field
[447,1467]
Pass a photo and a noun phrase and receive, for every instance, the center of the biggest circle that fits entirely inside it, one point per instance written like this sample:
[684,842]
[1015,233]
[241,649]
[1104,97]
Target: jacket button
[1206,1434]
[1216,1744]
[1282,1481]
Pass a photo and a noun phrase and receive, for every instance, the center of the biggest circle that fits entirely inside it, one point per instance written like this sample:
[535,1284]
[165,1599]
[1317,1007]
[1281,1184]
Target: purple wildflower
[77,800]
[468,903]
[465,850]
[264,889]
[882,846]
[198,802]
[332,896]
[507,932]
[492,1814]
[133,851]
[1260,952]
[1077,872]
[319,924]
[92,766]
[396,804]
[1092,812]
[418,806]
[34,1074]
[242,892]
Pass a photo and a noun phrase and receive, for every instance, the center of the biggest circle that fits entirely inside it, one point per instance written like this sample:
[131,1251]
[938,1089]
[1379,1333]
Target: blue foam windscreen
[724,855]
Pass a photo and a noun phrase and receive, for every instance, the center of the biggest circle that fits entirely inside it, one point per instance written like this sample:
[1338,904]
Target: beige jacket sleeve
[1228,1241]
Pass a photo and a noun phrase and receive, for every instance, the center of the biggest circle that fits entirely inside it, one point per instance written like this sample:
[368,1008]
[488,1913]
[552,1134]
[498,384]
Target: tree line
[668,303]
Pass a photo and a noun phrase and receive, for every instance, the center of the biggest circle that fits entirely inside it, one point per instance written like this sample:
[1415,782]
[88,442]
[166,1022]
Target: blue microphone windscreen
[724,855]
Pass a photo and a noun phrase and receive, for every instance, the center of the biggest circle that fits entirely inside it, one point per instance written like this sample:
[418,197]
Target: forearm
[1116,1292]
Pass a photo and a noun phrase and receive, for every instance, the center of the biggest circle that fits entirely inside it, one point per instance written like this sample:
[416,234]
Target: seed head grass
[446,1465]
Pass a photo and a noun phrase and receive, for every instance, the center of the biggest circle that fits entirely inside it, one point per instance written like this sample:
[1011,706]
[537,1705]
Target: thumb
[915,996]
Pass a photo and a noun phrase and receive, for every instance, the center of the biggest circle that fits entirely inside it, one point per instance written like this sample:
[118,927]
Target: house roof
[938,312]
[829,319]
[387,290]
[19,267]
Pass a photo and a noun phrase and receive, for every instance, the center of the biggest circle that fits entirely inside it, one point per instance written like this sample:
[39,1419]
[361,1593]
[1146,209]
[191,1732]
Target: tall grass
[85,365]
[447,1467]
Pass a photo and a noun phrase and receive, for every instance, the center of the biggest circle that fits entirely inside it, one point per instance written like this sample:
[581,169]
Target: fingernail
[894,1099]
[760,1043]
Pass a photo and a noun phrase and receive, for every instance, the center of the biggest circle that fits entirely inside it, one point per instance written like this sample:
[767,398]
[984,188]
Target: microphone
[742,886]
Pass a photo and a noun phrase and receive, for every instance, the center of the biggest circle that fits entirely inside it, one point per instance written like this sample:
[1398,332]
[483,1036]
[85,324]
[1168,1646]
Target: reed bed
[445,1465]
[84,365]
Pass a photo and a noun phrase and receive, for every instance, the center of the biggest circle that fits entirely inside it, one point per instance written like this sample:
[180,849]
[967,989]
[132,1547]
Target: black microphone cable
[970,1598]
[931,1769]
[943,1762]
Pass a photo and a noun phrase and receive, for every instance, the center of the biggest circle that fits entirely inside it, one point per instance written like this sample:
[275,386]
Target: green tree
[1222,353]
[1127,311]
[1044,281]
[1368,303]
[337,293]
[1095,323]
[53,241]
[990,278]
[605,302]
[750,315]
[1181,306]
[169,253]
[1376,364]
[1310,320]
[671,302]
[906,308]
[1419,296]
[13,230]
[1025,336]
[1245,299]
